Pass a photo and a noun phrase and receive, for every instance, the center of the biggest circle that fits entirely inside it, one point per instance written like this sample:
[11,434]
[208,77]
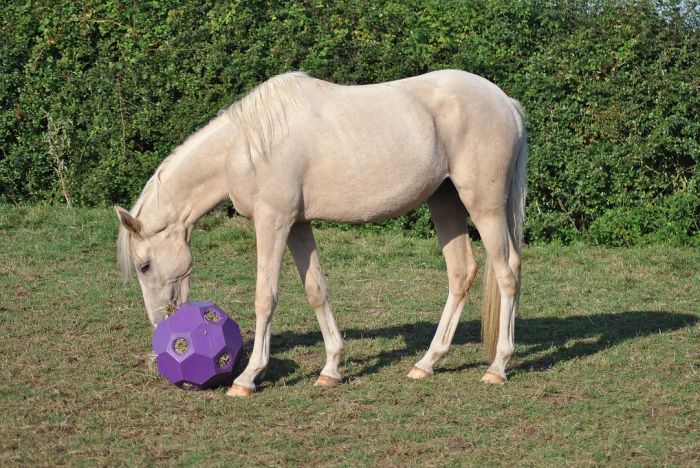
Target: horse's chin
[156,320]
[158,314]
[178,295]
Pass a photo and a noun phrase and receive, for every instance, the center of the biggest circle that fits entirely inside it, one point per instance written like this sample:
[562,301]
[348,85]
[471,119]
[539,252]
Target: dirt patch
[687,457]
[459,443]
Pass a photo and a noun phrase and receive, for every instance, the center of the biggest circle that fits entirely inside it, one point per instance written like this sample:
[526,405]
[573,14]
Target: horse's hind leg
[450,220]
[303,247]
[504,263]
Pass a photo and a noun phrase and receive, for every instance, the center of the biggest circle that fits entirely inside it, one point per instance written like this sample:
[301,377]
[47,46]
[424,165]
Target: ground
[607,368]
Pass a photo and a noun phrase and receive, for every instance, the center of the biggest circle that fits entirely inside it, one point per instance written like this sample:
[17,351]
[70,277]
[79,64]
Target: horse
[298,149]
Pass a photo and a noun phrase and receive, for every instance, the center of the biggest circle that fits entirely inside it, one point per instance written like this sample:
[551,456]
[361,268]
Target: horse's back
[367,153]
[446,110]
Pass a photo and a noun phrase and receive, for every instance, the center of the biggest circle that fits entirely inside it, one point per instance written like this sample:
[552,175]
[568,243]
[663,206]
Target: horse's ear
[129,222]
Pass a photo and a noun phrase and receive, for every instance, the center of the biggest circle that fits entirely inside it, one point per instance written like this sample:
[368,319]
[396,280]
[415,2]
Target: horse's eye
[143,268]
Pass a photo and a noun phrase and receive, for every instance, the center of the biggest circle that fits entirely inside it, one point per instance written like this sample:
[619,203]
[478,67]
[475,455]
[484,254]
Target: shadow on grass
[543,342]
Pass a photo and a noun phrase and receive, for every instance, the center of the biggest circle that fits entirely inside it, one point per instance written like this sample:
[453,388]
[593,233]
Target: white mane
[263,111]
[123,245]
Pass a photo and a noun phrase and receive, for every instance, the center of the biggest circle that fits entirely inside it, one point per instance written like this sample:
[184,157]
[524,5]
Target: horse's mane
[260,114]
[263,112]
[123,245]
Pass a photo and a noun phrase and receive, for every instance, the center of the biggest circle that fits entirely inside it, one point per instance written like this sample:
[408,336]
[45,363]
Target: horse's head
[162,261]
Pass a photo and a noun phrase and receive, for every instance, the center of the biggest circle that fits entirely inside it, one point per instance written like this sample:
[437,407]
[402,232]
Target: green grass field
[607,369]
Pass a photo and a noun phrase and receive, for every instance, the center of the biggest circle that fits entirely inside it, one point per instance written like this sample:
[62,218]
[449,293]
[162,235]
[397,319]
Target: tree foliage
[612,90]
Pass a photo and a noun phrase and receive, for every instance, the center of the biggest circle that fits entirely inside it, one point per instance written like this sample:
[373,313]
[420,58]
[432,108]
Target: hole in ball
[170,309]
[180,346]
[223,360]
[211,316]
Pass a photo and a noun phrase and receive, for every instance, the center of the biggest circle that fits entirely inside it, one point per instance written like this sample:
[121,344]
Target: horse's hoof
[239,391]
[490,378]
[418,373]
[326,381]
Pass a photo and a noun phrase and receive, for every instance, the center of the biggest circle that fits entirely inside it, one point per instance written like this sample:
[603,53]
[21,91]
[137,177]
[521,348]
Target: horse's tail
[491,303]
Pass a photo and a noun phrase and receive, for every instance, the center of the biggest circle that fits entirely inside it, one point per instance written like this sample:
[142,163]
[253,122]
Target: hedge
[94,94]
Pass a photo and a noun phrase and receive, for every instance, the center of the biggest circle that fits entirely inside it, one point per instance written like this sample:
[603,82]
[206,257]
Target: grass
[607,369]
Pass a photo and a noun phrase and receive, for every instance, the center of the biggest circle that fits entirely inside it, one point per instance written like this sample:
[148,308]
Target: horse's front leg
[271,231]
[303,247]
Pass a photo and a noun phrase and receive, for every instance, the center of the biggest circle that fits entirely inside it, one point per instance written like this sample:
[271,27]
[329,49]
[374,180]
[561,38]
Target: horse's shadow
[543,342]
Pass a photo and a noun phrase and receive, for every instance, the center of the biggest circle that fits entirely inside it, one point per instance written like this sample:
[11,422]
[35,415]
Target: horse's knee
[459,283]
[265,303]
[316,295]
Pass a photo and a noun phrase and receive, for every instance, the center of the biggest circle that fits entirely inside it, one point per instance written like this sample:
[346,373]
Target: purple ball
[198,346]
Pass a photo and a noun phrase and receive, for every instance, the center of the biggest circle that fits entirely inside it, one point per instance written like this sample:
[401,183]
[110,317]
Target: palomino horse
[298,149]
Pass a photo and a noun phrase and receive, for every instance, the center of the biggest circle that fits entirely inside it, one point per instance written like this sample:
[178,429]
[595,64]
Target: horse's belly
[371,192]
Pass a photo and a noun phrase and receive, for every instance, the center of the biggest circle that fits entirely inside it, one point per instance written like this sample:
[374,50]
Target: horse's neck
[193,180]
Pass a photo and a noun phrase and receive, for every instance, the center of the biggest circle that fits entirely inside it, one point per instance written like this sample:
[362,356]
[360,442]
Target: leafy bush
[613,108]
[674,221]
[94,94]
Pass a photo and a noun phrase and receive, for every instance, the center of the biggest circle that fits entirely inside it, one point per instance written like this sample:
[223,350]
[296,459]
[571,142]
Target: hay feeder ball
[197,347]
